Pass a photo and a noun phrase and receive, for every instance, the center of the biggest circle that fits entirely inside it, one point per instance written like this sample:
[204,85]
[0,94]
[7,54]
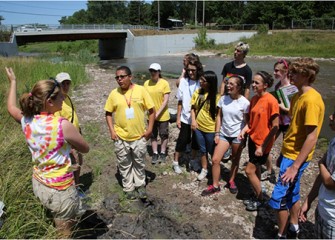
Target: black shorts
[186,136]
[256,160]
[162,128]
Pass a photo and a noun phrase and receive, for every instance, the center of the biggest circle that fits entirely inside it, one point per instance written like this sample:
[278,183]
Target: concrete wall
[156,45]
[9,49]
[112,48]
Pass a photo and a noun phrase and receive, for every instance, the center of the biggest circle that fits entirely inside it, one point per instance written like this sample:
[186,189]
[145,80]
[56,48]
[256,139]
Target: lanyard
[129,102]
[195,87]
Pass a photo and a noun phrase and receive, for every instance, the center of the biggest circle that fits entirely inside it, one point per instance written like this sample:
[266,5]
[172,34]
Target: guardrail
[54,27]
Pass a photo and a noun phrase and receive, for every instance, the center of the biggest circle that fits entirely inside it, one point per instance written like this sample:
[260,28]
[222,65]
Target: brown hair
[34,102]
[305,66]
[267,78]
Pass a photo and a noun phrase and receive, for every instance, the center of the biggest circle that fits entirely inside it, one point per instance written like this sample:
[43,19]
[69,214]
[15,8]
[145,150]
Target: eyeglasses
[121,77]
[283,61]
[191,70]
[56,84]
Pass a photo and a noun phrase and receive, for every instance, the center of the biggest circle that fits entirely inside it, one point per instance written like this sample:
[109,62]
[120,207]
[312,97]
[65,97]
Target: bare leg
[154,145]
[219,151]
[252,171]
[64,227]
[282,221]
[236,155]
[294,213]
[164,145]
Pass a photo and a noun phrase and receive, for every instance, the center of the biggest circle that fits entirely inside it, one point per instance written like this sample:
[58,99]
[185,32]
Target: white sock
[175,163]
[294,227]
[155,152]
[204,170]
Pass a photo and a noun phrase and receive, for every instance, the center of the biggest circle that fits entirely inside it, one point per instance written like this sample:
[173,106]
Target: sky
[42,12]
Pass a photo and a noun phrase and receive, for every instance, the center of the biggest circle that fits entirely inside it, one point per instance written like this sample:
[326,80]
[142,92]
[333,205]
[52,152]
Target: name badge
[130,113]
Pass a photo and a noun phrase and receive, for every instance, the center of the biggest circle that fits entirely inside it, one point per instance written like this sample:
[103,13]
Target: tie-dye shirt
[50,151]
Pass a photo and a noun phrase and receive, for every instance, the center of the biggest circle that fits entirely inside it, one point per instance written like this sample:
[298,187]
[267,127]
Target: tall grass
[24,216]
[288,44]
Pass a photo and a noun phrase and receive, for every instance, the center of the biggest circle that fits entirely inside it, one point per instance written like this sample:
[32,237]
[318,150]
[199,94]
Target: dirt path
[175,208]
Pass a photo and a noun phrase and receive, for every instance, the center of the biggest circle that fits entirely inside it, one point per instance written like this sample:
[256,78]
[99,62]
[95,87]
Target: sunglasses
[56,84]
[153,70]
[283,61]
[121,77]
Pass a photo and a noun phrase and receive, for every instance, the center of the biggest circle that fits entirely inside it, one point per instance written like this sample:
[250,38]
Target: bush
[201,41]
[262,29]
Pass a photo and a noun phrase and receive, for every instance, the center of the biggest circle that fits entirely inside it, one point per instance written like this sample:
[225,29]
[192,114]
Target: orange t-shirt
[261,110]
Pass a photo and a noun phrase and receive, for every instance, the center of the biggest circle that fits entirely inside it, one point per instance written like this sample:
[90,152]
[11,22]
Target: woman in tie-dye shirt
[49,139]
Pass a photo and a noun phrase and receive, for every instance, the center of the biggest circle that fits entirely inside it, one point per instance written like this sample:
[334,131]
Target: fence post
[292,24]
[333,24]
[311,23]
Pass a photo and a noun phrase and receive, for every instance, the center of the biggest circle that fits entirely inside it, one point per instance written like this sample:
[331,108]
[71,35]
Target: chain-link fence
[315,23]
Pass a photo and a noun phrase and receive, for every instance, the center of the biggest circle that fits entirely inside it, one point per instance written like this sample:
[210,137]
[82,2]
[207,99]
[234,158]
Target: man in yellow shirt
[69,112]
[307,113]
[125,113]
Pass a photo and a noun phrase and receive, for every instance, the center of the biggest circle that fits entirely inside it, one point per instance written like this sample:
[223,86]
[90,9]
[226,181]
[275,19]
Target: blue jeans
[205,141]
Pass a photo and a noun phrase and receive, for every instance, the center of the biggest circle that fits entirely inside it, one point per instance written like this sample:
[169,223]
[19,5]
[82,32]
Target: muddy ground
[174,208]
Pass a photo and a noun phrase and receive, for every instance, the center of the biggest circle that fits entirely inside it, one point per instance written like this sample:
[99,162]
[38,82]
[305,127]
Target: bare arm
[270,136]
[179,114]
[194,124]
[148,132]
[246,127]
[247,93]
[109,120]
[180,77]
[311,139]
[325,175]
[13,110]
[72,135]
[218,125]
[164,104]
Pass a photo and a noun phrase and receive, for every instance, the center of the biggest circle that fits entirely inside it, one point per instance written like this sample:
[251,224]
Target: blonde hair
[305,66]
[34,102]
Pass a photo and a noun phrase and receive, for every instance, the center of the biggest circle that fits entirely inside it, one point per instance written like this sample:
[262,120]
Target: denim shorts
[205,141]
[285,195]
[231,140]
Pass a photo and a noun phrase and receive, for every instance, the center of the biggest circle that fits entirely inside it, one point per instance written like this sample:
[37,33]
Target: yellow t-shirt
[129,129]
[204,120]
[307,109]
[66,112]
[157,90]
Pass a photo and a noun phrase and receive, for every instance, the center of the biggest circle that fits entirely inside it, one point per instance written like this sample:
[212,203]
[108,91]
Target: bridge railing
[57,27]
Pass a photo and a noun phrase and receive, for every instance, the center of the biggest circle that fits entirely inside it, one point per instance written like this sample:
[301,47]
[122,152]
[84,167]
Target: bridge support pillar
[112,48]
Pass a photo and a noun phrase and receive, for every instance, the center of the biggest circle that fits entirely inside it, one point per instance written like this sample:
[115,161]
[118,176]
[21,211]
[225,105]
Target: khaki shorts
[64,205]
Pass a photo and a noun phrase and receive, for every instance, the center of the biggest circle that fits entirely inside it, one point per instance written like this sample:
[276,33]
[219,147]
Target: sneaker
[232,187]
[130,195]
[254,205]
[162,157]
[195,165]
[227,155]
[291,234]
[154,159]
[80,192]
[177,169]
[265,176]
[202,175]
[210,190]
[246,202]
[142,193]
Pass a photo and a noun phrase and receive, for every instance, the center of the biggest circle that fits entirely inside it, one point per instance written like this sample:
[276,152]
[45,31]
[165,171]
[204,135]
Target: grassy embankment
[318,44]
[24,217]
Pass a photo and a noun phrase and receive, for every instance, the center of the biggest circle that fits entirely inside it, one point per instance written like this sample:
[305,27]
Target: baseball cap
[155,66]
[60,77]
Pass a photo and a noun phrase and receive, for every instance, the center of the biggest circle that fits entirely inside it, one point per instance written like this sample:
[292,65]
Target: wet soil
[174,208]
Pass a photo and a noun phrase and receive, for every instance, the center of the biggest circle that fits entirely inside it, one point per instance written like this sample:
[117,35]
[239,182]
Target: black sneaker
[162,157]
[210,190]
[130,195]
[292,234]
[154,159]
[142,193]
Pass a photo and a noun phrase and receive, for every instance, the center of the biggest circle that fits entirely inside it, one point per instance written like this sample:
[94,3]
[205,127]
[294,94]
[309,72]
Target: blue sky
[43,12]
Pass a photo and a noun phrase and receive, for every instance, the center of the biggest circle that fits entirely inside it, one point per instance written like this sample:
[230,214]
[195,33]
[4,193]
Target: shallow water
[173,64]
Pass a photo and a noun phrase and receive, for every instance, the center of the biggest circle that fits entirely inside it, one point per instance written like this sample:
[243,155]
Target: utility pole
[195,13]
[203,13]
[159,16]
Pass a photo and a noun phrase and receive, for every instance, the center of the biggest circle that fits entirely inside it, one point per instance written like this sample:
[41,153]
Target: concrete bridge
[117,41]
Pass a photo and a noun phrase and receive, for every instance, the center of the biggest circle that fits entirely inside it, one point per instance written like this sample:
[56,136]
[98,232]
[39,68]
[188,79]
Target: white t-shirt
[185,91]
[326,206]
[233,111]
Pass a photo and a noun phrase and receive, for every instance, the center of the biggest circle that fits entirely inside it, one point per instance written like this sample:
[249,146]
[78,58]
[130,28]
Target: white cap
[60,77]
[155,66]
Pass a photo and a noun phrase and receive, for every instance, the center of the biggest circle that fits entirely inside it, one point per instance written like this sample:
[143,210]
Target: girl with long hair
[203,112]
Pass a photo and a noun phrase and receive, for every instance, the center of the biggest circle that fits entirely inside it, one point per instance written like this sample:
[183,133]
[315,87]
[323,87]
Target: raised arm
[13,110]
